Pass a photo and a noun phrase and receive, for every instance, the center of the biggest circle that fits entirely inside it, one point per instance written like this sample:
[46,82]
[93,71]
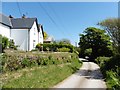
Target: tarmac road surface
[89,76]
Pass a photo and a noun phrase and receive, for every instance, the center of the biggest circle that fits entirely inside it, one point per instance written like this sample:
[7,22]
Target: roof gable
[5,20]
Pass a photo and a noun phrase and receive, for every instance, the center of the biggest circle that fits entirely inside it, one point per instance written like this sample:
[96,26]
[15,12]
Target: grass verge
[39,77]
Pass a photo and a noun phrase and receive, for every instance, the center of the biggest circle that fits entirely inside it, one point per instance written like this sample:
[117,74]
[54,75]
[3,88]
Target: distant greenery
[94,43]
[63,41]
[55,47]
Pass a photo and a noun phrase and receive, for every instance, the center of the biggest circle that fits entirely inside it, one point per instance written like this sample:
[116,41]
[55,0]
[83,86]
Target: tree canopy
[95,41]
[63,41]
[112,26]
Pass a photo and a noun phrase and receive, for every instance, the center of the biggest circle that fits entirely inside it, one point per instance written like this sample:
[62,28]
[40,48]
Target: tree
[112,26]
[64,41]
[97,40]
[45,35]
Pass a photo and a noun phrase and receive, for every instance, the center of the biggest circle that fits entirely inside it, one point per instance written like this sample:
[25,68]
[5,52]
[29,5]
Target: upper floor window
[34,31]
[33,40]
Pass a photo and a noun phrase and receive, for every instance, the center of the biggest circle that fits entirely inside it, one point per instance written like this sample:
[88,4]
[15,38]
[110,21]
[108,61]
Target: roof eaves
[5,24]
[20,28]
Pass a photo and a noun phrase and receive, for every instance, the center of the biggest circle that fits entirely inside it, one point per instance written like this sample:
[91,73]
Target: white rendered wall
[20,37]
[40,36]
[4,30]
[33,36]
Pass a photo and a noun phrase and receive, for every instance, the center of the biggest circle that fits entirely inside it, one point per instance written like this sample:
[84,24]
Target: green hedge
[110,67]
[6,43]
[16,60]
[54,47]
[108,63]
[63,49]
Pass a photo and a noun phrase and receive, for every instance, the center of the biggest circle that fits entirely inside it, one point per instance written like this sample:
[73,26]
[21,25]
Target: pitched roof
[19,23]
[22,23]
[49,38]
[5,20]
[41,26]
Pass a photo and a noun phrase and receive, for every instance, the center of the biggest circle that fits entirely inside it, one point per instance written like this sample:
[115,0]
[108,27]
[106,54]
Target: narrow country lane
[89,76]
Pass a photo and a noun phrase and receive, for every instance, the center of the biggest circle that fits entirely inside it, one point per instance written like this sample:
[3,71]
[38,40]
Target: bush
[25,63]
[113,80]
[63,49]
[88,52]
[110,67]
[12,45]
[5,42]
[1,63]
[108,63]
[55,47]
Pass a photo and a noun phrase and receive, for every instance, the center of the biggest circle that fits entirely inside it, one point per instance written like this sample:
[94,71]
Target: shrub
[88,52]
[63,49]
[54,47]
[5,42]
[113,80]
[110,67]
[108,63]
[1,63]
[101,61]
[34,50]
[12,45]
[25,63]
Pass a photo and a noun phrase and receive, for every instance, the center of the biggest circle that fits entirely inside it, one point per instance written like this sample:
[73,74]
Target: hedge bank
[14,60]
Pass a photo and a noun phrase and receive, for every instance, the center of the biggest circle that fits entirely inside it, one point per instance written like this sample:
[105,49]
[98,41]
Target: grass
[38,77]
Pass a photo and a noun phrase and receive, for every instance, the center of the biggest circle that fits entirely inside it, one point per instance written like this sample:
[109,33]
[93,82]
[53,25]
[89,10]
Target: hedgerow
[110,67]
[55,47]
[14,60]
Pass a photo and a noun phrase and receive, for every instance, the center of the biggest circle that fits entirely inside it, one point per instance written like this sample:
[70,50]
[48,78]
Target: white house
[25,32]
[5,26]
[49,39]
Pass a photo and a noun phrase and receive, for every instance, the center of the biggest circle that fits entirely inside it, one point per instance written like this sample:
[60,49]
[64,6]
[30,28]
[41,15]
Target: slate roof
[5,20]
[19,23]
[22,23]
